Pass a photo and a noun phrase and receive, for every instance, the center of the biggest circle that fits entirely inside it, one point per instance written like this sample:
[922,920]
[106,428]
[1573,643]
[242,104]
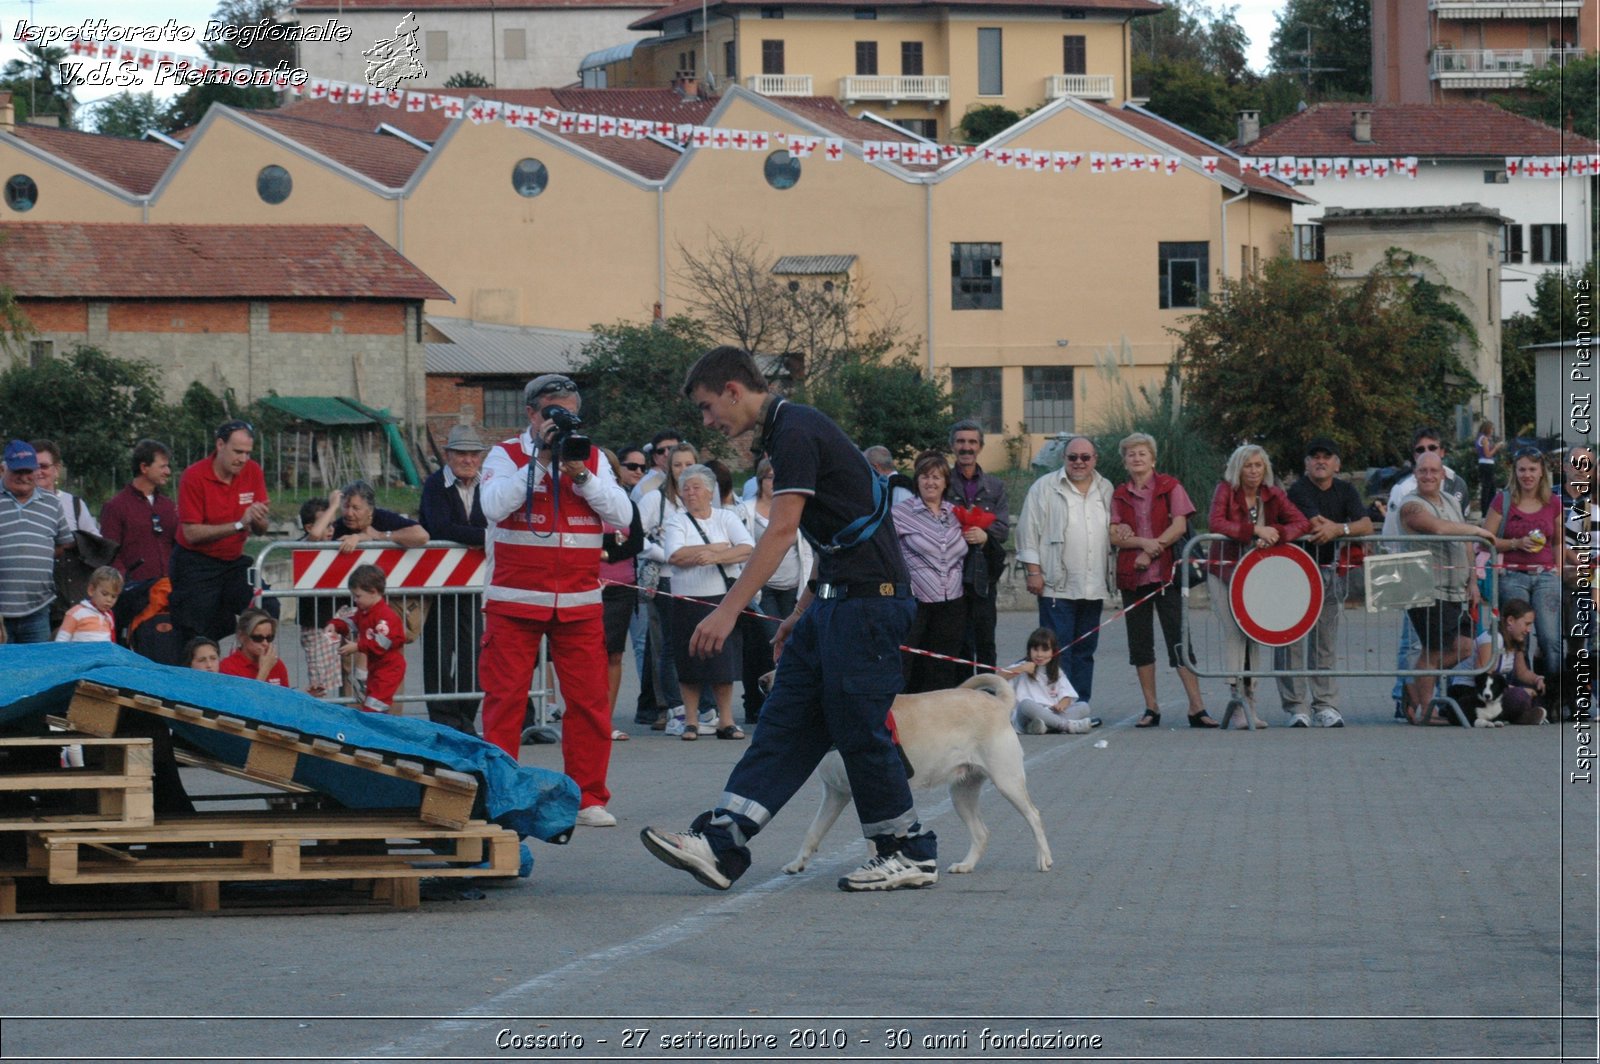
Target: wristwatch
[238,526]
[1347,528]
[580,479]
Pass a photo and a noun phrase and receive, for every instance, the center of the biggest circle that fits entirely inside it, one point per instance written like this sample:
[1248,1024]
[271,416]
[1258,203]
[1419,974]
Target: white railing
[1086,86]
[1496,62]
[930,87]
[1506,8]
[779,84]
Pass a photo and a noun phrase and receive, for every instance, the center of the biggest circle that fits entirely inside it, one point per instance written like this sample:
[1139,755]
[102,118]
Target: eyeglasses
[1424,448]
[559,386]
[228,428]
[155,523]
[1080,457]
[1527,452]
[260,638]
[637,467]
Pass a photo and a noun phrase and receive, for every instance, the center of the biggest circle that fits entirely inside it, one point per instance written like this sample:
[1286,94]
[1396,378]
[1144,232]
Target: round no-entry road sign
[1276,594]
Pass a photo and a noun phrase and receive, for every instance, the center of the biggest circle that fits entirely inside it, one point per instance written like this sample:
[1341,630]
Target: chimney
[1249,127]
[685,84]
[8,113]
[1361,126]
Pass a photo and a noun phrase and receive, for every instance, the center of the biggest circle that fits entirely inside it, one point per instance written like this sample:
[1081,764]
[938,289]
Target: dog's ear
[765,683]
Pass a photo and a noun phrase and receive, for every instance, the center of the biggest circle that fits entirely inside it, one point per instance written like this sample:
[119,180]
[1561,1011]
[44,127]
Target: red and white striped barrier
[407,569]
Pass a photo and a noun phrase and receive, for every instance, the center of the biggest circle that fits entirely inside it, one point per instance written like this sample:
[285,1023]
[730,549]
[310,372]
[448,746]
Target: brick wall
[179,316]
[328,316]
[57,317]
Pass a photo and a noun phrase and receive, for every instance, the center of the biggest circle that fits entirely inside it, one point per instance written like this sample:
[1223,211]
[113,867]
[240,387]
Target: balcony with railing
[934,88]
[1509,9]
[1083,86]
[1493,68]
[779,84]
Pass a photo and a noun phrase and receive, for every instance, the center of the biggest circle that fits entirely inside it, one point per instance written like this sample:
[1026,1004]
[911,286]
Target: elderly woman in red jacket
[1252,511]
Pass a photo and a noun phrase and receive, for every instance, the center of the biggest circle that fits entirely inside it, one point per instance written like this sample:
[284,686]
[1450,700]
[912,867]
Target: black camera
[566,443]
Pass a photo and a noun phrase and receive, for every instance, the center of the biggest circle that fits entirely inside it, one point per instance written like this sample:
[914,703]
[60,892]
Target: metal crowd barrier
[1275,601]
[308,581]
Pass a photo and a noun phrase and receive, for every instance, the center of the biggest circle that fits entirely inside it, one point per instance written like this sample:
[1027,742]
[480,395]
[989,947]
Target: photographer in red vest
[546,494]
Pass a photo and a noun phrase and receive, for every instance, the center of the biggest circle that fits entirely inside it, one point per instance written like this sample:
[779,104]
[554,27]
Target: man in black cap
[451,511]
[1336,511]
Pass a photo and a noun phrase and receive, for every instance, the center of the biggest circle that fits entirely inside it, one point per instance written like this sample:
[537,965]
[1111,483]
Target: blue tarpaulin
[38,679]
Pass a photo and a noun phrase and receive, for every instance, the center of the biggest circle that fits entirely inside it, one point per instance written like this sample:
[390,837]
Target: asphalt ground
[1376,892]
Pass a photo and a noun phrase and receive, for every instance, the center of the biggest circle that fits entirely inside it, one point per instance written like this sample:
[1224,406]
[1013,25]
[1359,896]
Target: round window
[529,177]
[782,170]
[273,184]
[21,193]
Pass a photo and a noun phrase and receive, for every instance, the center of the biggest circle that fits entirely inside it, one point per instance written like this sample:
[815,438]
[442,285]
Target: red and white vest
[538,569]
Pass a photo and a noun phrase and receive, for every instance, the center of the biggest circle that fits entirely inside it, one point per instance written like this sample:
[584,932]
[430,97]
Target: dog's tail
[994,686]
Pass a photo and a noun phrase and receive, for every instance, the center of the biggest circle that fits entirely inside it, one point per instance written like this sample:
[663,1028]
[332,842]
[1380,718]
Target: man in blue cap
[33,534]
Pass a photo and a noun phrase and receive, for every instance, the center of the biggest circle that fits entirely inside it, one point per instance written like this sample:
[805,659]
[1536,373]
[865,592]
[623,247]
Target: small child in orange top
[90,621]
[378,632]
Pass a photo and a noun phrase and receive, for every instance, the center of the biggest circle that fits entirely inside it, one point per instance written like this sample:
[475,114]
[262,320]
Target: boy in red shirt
[379,633]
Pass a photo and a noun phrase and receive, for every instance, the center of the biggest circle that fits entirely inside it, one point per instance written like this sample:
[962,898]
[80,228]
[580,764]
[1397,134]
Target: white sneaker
[689,851]
[596,816]
[1034,726]
[708,716]
[707,729]
[894,872]
[1329,718]
[676,725]
[1299,720]
[1078,727]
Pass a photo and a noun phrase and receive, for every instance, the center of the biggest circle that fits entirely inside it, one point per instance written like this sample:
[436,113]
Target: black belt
[862,590]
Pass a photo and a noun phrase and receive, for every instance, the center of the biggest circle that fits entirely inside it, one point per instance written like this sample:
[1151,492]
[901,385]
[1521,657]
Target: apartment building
[1436,51]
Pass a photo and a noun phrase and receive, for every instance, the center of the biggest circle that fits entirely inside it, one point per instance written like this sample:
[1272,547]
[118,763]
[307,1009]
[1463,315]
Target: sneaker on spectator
[707,729]
[596,816]
[709,716]
[892,872]
[1329,718]
[1034,726]
[677,724]
[1078,727]
[689,851]
[1299,720]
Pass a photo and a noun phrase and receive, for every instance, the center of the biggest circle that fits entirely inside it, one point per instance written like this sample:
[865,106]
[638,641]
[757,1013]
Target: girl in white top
[1045,698]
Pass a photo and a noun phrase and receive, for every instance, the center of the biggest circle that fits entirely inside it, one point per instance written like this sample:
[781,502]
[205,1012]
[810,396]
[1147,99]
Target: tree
[885,400]
[467,79]
[36,84]
[1359,359]
[1555,92]
[1556,297]
[1190,62]
[1327,44]
[129,114]
[1193,97]
[633,382]
[981,123]
[189,108]
[50,399]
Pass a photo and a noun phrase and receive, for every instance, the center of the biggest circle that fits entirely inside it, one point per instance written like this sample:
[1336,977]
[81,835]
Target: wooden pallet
[25,897]
[117,772]
[210,848]
[447,796]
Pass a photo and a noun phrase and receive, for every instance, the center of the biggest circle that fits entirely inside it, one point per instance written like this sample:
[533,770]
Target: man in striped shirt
[33,534]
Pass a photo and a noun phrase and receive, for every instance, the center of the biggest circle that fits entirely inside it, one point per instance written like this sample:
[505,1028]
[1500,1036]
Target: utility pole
[1308,69]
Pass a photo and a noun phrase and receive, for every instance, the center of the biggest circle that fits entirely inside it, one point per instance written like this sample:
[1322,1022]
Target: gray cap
[464,438]
[548,384]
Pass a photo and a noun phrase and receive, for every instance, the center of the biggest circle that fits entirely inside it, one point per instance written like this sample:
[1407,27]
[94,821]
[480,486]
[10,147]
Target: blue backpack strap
[865,527]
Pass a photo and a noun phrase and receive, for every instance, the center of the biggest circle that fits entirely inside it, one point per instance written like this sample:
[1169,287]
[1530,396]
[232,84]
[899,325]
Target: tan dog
[959,737]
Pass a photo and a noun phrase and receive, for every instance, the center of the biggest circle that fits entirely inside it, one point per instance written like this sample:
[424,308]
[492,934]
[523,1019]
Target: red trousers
[577,648]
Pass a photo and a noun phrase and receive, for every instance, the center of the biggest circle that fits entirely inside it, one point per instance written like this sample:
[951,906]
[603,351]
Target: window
[39,351]
[781,170]
[977,395]
[686,62]
[990,82]
[730,61]
[772,12]
[772,57]
[866,14]
[1548,243]
[1047,398]
[911,59]
[515,44]
[1308,246]
[927,128]
[1185,272]
[1511,242]
[1495,177]
[273,184]
[435,46]
[21,193]
[503,406]
[1074,55]
[975,277]
[866,58]
[529,177]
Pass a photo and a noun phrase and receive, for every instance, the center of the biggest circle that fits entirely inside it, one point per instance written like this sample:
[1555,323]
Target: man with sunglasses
[222,501]
[545,537]
[1063,541]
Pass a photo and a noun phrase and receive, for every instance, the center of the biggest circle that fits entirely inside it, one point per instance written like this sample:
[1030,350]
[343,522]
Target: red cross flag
[1060,162]
[1173,164]
[890,150]
[336,91]
[394,97]
[416,102]
[1341,168]
[355,94]
[1208,163]
[1513,166]
[625,128]
[833,148]
[719,139]
[1004,156]
[550,116]
[476,113]
[969,150]
[319,88]
[758,141]
[607,126]
[1117,161]
[587,123]
[1023,160]
[928,155]
[513,115]
[454,106]
[1136,163]
[948,151]
[1041,162]
[1363,168]
[740,139]
[871,150]
[1580,166]
[1380,168]
[701,137]
[1561,166]
[491,110]
[667,130]
[108,51]
[1097,162]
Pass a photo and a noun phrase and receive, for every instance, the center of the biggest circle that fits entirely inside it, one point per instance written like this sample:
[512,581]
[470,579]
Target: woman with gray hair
[706,548]
[1252,511]
[362,522]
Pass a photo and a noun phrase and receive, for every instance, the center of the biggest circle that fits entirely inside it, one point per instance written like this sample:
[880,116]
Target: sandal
[618,735]
[1151,719]
[730,732]
[1200,720]
[690,735]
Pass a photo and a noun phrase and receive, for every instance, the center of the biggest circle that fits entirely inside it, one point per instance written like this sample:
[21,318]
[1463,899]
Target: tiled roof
[70,260]
[813,265]
[424,125]
[1194,147]
[387,160]
[1442,129]
[476,348]
[132,165]
[688,7]
[830,114]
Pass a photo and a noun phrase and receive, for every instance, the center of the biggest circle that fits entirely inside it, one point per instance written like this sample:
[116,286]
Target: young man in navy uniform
[853,615]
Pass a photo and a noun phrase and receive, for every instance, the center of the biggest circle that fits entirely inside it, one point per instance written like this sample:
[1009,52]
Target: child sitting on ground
[1522,702]
[1044,695]
[377,631]
[90,621]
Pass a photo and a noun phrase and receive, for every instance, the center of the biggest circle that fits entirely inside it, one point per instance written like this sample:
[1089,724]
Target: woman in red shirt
[257,655]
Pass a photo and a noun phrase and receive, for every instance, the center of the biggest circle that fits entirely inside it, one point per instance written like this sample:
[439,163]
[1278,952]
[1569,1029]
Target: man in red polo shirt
[222,500]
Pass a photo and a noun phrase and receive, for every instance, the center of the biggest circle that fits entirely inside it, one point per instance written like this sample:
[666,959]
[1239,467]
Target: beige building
[1452,50]
[921,66]
[515,44]
[1016,285]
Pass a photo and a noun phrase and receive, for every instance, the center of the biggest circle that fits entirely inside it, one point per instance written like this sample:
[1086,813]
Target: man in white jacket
[1063,541]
